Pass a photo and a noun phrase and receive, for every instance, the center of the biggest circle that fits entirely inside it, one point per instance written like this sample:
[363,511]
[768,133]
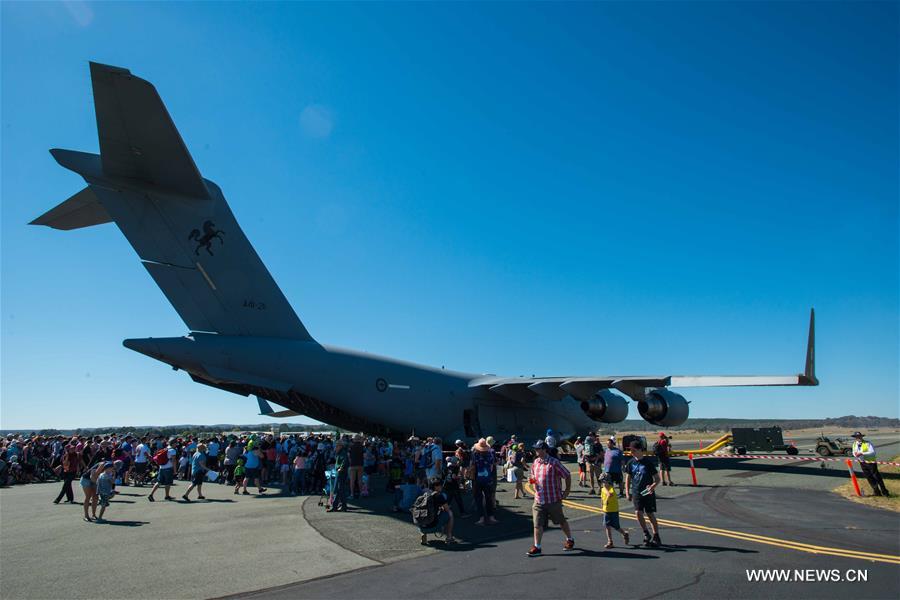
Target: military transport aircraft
[244,336]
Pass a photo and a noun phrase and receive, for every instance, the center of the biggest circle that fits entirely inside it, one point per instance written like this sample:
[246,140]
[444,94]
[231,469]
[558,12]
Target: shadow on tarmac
[124,523]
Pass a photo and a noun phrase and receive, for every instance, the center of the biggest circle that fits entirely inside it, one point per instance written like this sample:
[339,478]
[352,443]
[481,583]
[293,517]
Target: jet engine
[664,408]
[606,407]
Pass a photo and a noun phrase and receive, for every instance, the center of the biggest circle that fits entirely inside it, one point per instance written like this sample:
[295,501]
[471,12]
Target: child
[239,474]
[395,473]
[285,466]
[105,485]
[298,482]
[183,463]
[609,503]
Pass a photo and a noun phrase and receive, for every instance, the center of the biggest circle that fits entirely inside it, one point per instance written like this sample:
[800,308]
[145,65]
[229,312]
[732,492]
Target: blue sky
[639,188]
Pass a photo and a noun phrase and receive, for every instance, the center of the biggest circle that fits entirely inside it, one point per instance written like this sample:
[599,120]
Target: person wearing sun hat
[546,473]
[868,461]
[485,462]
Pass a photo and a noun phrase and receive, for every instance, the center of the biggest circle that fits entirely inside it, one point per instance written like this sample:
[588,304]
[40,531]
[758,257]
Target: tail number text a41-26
[254,305]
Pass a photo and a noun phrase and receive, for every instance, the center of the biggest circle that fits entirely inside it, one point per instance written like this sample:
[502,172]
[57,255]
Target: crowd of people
[433,485]
[429,483]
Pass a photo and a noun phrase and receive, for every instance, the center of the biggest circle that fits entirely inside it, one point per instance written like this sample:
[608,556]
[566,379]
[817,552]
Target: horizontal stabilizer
[81,210]
[265,409]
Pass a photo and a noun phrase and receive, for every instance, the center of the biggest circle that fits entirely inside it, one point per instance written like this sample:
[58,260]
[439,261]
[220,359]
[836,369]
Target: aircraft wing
[524,389]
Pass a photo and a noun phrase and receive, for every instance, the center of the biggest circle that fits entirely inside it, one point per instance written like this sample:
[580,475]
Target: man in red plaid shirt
[546,473]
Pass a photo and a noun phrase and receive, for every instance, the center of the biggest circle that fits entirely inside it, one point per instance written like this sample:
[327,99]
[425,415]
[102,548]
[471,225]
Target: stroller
[327,491]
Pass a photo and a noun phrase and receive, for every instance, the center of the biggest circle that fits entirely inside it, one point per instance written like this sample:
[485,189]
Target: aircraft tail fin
[178,223]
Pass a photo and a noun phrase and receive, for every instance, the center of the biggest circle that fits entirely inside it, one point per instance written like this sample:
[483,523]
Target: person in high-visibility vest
[865,453]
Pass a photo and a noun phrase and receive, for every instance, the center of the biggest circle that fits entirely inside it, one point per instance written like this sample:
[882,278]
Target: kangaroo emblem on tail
[205,241]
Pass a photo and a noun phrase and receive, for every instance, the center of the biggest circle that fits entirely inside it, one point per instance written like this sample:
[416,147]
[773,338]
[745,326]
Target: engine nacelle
[606,407]
[664,408]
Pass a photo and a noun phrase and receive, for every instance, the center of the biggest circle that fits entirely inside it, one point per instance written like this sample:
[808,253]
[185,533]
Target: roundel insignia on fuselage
[381,385]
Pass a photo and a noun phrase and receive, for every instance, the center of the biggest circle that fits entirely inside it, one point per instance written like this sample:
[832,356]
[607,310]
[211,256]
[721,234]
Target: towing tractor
[827,447]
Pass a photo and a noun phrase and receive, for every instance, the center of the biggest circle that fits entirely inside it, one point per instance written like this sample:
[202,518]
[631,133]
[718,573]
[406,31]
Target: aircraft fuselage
[357,390]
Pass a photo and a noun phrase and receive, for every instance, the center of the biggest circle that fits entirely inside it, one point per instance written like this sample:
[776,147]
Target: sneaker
[609,545]
[672,484]
[245,492]
[236,492]
[655,542]
[170,497]
[186,499]
[151,499]
[647,538]
[535,551]
[201,497]
[625,537]
[424,540]
[592,492]
[569,545]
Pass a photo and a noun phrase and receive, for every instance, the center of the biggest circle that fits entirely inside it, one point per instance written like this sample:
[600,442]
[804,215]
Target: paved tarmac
[223,545]
[754,528]
[747,513]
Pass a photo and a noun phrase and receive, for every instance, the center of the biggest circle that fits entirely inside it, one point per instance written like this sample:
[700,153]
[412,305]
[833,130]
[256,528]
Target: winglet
[809,372]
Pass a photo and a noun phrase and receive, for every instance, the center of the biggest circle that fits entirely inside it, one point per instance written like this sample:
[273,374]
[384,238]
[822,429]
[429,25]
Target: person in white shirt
[141,461]
[166,476]
[865,453]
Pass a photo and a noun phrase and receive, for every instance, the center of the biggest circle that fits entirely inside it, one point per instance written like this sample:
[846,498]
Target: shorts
[541,514]
[87,484]
[611,520]
[198,476]
[140,468]
[251,474]
[442,519]
[581,467]
[664,464]
[104,500]
[615,478]
[645,504]
[166,476]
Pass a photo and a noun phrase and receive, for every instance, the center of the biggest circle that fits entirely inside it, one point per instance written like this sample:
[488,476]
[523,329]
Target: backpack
[162,457]
[423,511]
[588,447]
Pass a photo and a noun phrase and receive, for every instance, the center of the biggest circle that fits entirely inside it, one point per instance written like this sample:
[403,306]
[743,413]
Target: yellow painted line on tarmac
[751,537]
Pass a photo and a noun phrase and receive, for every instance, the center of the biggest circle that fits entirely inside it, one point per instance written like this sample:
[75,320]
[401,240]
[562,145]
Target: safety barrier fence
[773,457]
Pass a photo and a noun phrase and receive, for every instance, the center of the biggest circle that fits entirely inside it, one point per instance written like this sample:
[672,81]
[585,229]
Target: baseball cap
[540,445]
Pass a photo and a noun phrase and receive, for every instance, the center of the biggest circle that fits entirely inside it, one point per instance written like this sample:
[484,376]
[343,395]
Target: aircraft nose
[143,345]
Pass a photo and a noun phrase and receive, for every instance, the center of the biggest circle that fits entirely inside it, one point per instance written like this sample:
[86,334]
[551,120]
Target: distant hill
[698,424]
[178,430]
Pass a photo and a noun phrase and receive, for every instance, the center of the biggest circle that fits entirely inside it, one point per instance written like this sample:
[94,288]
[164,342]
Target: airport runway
[747,514]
